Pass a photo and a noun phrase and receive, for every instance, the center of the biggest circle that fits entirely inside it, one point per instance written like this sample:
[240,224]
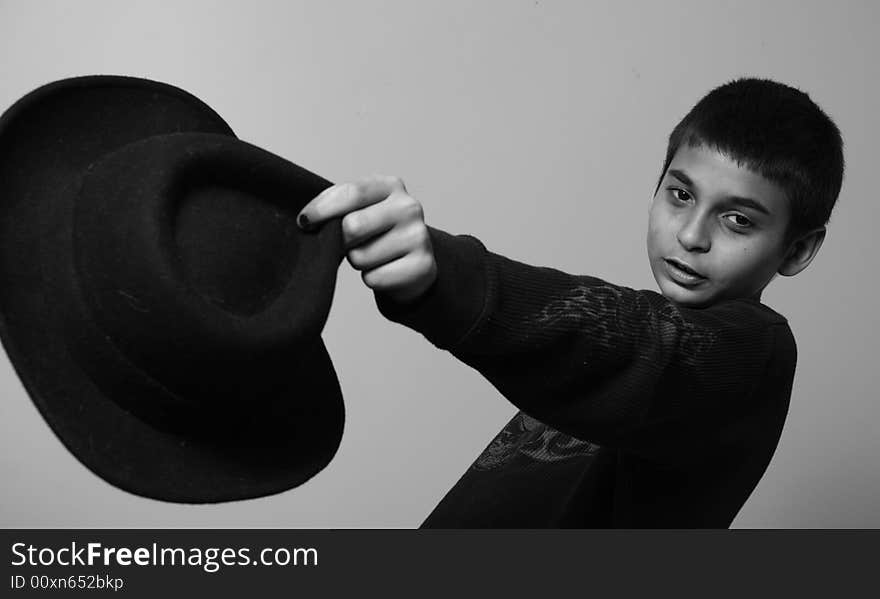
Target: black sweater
[634,412]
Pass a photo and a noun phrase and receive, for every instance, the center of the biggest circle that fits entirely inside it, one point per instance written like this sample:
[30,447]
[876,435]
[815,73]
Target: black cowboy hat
[157,299]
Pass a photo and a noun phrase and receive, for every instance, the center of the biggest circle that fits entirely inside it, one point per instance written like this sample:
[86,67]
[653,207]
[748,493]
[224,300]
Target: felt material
[157,299]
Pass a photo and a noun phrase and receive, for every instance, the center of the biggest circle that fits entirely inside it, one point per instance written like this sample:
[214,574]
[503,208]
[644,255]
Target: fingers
[344,198]
[384,233]
[397,242]
[398,209]
[405,278]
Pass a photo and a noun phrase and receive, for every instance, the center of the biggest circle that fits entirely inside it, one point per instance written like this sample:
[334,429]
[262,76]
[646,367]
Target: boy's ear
[801,252]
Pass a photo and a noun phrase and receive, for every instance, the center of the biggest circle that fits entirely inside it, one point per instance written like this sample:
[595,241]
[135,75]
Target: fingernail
[303,221]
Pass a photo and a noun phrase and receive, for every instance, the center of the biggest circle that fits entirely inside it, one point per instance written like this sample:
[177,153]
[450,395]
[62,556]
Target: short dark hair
[776,131]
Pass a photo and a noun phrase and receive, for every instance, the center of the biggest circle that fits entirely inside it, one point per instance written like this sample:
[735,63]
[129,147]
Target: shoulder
[753,310]
[729,315]
[741,332]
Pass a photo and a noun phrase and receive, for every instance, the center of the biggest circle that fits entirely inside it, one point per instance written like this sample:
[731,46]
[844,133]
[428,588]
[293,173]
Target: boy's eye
[739,220]
[680,194]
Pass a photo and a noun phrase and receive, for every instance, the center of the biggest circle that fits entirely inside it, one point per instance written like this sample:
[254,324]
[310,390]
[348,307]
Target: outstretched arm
[598,361]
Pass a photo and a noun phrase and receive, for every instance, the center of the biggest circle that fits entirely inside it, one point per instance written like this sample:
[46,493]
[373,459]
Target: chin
[684,297]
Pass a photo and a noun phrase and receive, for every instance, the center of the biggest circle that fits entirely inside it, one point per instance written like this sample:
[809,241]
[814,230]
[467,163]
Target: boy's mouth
[682,273]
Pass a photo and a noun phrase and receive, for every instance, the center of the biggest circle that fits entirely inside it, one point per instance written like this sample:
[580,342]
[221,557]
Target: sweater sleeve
[597,361]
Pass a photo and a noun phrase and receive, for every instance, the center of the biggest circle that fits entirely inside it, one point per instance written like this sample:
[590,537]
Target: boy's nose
[693,234]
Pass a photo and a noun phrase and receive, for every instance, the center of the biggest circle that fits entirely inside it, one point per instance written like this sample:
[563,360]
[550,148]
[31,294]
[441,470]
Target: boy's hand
[384,232]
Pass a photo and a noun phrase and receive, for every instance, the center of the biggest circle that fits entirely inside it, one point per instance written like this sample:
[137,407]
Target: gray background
[538,127]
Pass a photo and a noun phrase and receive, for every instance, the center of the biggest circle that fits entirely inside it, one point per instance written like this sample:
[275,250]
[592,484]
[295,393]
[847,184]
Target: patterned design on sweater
[526,436]
[604,312]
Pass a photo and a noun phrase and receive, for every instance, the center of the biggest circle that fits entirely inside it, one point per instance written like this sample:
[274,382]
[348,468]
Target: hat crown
[189,259]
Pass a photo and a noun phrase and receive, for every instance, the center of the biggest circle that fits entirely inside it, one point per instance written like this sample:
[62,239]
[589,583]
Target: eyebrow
[745,202]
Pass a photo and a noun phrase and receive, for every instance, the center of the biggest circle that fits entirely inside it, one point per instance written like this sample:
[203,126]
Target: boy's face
[716,230]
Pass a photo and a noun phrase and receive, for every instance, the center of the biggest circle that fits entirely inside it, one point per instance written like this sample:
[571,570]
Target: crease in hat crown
[124,249]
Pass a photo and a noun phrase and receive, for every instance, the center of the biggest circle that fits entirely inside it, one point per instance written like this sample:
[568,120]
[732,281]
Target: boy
[638,409]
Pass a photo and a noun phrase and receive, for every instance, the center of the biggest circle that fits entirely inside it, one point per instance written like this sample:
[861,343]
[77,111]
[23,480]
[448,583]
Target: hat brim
[47,140]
